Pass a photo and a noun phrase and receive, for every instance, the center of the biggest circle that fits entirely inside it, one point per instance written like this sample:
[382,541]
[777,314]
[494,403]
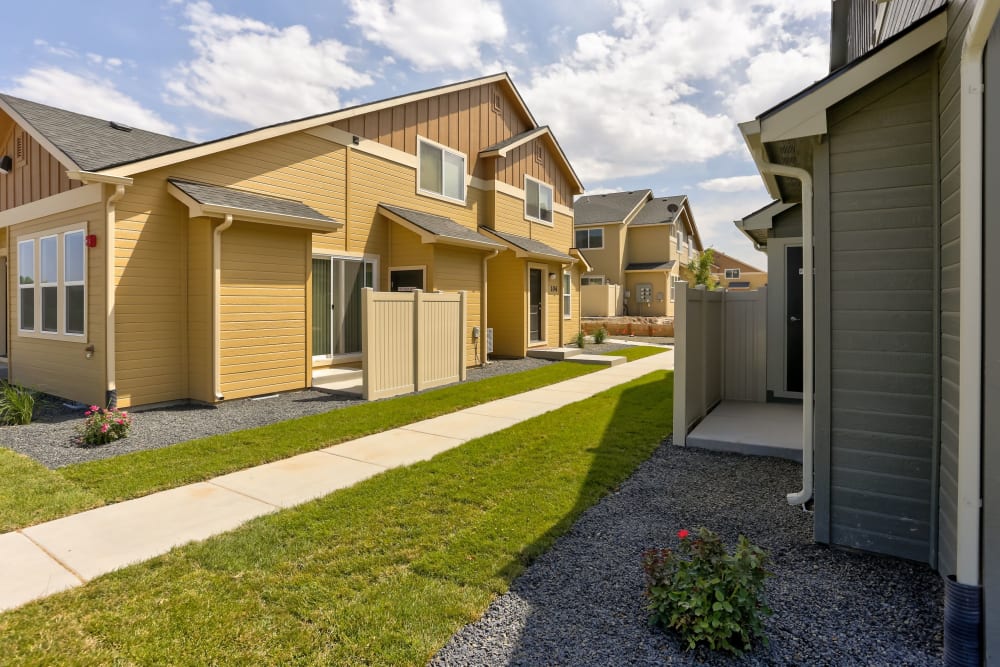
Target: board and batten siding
[882,316]
[949,104]
[263,310]
[36,174]
[58,366]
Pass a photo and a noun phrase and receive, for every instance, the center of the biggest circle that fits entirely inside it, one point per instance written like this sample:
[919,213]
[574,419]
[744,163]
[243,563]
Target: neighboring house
[731,273]
[640,242]
[150,269]
[888,156]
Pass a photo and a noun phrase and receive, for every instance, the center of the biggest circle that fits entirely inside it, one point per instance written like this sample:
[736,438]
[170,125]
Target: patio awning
[650,266]
[756,225]
[437,229]
[204,199]
[529,248]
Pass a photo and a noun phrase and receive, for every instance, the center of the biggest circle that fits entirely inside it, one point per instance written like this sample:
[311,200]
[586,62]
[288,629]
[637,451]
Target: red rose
[682,533]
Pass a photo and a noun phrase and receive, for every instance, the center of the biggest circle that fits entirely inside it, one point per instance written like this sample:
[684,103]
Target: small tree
[701,267]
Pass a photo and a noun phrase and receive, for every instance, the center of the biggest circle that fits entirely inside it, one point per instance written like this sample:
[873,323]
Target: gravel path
[581,603]
[51,438]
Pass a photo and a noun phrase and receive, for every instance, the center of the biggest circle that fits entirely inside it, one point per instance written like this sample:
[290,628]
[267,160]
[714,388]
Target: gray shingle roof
[440,226]
[516,138]
[91,142]
[610,207]
[650,266]
[217,195]
[530,245]
[658,210]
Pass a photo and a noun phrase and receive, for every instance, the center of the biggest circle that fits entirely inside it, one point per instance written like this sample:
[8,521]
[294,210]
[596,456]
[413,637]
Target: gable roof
[609,207]
[660,210]
[730,262]
[501,149]
[87,143]
[436,228]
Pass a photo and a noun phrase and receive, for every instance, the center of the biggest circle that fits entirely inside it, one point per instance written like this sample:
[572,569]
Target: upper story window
[590,238]
[732,274]
[537,201]
[51,297]
[440,171]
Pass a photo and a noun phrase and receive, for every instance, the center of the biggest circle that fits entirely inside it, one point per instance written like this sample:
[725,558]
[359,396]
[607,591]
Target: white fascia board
[806,116]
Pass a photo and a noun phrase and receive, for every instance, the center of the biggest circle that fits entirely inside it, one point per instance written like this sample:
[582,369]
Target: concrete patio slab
[597,359]
[29,573]
[395,448]
[98,541]
[298,479]
[462,425]
[554,353]
[760,429]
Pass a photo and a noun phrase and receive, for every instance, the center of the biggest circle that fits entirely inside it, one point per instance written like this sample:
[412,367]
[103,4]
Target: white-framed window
[537,201]
[673,286]
[732,274]
[592,280]
[52,284]
[590,238]
[567,295]
[407,278]
[440,171]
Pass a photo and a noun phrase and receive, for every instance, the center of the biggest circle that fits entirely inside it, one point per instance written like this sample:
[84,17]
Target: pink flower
[87,413]
[682,534]
[124,414]
[104,428]
[121,421]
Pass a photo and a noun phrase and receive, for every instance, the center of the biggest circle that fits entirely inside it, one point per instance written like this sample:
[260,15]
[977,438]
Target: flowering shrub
[706,594]
[104,425]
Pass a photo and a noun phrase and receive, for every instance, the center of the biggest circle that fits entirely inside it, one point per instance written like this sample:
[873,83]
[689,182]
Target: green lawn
[33,494]
[381,573]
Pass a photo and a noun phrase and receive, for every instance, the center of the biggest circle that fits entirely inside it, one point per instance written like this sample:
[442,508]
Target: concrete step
[597,359]
[346,380]
[555,353]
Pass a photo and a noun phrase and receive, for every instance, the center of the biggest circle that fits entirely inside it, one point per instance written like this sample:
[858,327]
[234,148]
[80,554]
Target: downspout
[216,305]
[808,324]
[111,388]
[482,311]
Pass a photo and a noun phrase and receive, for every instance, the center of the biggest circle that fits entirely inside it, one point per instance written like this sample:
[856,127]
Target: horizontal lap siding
[882,259]
[61,367]
[959,12]
[507,302]
[263,310]
[457,269]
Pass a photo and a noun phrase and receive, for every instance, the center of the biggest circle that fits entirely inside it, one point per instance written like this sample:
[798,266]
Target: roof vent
[120,127]
[672,208]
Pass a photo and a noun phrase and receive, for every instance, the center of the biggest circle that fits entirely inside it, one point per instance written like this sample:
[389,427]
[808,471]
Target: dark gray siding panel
[882,259]
[959,12]
[862,22]
[787,224]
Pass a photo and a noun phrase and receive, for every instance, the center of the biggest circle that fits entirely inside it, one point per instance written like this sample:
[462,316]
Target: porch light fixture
[5,164]
[552,276]
[356,140]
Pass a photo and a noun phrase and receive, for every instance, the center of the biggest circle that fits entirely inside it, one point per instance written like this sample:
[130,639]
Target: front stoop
[555,353]
[598,359]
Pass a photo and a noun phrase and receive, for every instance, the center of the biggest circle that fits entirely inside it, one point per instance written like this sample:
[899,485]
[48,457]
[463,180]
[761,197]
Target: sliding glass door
[337,285]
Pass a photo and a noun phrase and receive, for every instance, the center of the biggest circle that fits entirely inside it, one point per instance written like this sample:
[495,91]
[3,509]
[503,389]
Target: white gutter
[482,310]
[971,294]
[216,306]
[808,321]
[111,388]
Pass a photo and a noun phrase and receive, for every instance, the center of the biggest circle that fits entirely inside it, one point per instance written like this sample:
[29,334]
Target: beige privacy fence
[720,354]
[411,340]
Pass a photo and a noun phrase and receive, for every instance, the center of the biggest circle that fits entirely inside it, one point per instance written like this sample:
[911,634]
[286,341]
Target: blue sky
[641,93]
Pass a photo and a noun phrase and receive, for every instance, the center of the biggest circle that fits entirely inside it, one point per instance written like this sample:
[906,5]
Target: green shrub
[17,404]
[600,335]
[103,425]
[707,595]
[581,339]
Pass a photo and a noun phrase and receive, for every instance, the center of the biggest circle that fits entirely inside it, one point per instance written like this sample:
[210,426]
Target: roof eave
[56,152]
[429,237]
[197,209]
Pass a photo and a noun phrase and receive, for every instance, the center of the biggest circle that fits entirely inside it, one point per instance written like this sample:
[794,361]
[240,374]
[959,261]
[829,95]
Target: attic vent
[19,152]
[539,154]
[672,208]
[119,127]
[497,103]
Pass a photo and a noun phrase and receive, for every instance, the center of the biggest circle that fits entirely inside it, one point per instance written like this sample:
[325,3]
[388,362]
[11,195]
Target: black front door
[793,313]
[534,305]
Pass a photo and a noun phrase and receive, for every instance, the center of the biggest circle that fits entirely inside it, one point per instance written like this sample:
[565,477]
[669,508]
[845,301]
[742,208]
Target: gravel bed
[581,603]
[52,438]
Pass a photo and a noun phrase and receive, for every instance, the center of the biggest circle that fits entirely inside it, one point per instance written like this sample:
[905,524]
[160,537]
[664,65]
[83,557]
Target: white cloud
[432,35]
[653,89]
[732,184]
[253,72]
[775,75]
[60,50]
[88,95]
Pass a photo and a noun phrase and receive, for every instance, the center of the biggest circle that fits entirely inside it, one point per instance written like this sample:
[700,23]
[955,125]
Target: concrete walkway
[50,557]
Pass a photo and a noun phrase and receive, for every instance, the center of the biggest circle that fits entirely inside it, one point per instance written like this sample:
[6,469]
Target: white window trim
[423,272]
[541,184]
[351,257]
[673,287]
[732,277]
[465,174]
[588,230]
[61,334]
[601,278]
[567,296]
[73,283]
[42,285]
[21,287]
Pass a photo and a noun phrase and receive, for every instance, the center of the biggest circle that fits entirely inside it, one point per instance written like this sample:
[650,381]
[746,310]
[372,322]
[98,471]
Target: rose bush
[104,425]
